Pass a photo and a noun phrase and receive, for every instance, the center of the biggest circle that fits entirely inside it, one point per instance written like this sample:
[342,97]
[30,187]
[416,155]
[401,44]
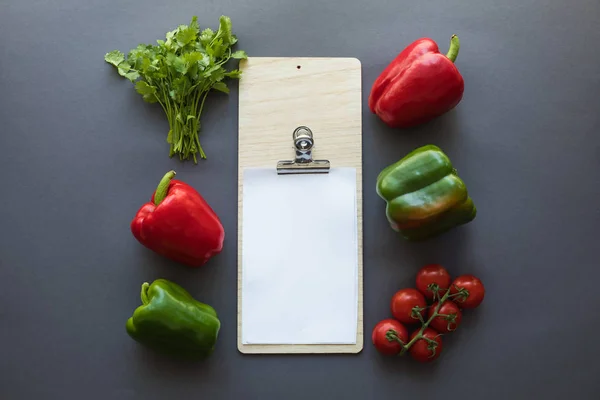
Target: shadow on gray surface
[441,131]
[162,267]
[452,344]
[165,364]
[450,249]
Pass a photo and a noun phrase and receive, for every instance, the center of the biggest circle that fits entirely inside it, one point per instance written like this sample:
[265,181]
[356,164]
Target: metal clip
[303,163]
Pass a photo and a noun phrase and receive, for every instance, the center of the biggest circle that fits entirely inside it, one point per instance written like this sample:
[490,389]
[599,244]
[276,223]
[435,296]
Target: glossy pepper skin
[179,224]
[172,322]
[424,195]
[419,85]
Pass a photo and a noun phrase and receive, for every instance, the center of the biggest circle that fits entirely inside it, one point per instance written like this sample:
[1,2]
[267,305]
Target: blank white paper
[299,257]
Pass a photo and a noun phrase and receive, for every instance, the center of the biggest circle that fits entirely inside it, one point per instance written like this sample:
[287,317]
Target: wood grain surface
[276,96]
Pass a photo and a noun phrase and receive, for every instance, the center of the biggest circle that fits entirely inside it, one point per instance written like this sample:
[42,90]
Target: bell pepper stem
[163,187]
[144,293]
[454,47]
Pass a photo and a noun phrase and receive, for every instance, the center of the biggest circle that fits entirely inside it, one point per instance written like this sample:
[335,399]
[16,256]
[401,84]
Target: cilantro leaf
[239,54]
[114,57]
[225,29]
[216,49]
[221,86]
[194,24]
[180,65]
[124,69]
[186,36]
[148,92]
[235,74]
[206,37]
[193,57]
[170,36]
[208,73]
[218,75]
[131,75]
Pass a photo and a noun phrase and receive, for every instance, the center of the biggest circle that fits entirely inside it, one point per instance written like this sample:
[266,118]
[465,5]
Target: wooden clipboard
[325,95]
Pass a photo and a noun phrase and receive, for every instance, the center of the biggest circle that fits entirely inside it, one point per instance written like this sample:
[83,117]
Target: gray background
[80,152]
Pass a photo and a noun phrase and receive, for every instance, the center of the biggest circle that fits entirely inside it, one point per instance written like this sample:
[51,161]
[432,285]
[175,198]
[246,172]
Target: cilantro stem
[202,104]
[197,119]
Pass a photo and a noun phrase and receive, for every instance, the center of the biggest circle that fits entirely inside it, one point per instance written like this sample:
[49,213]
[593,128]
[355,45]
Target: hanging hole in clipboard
[298,67]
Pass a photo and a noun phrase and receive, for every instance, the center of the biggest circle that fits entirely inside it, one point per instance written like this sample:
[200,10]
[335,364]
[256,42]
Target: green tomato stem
[163,187]
[391,334]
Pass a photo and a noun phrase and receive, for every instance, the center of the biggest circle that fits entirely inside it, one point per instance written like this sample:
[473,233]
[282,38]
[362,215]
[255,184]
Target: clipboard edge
[306,348]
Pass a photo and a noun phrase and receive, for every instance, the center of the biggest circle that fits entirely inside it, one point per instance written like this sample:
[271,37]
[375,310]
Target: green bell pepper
[171,321]
[424,195]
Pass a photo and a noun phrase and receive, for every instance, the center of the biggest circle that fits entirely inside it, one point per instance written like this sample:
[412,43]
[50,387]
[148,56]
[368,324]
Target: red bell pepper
[418,85]
[179,224]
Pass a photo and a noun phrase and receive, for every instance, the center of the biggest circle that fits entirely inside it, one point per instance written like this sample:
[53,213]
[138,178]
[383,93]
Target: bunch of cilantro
[178,73]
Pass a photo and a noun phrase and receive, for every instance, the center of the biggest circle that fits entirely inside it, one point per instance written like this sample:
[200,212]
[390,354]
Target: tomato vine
[432,344]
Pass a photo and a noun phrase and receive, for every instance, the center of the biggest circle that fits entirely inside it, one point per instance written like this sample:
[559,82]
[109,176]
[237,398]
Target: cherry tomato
[380,336]
[473,289]
[403,302]
[451,319]
[424,351]
[432,274]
